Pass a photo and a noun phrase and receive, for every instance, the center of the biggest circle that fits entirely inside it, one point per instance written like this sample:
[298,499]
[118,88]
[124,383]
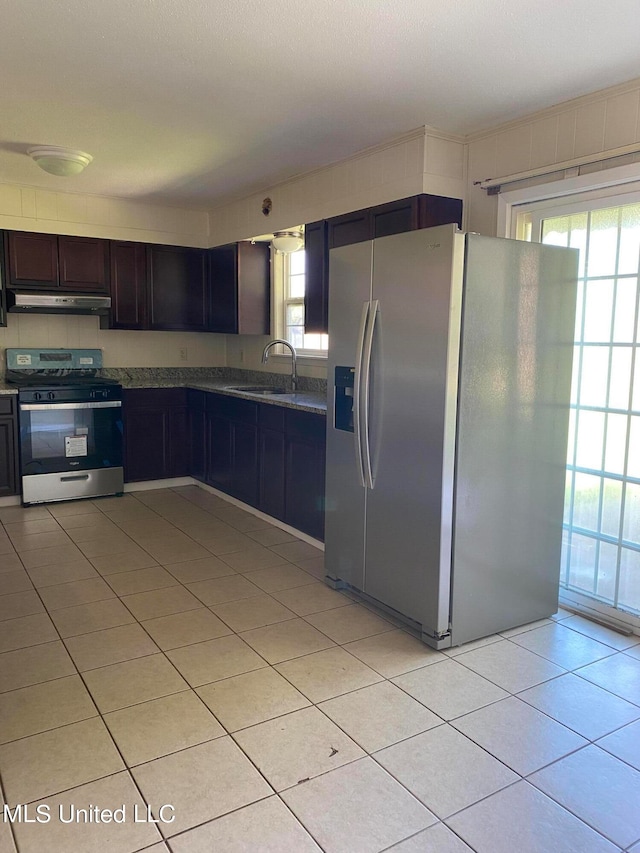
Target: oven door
[59,437]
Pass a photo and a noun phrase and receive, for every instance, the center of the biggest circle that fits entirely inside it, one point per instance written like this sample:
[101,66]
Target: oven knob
[51,396]
[37,395]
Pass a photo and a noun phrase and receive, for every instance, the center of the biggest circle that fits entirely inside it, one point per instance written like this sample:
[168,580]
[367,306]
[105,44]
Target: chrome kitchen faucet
[294,355]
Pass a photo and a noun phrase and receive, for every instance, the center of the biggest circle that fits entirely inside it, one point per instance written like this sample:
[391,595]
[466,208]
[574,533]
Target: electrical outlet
[183,354]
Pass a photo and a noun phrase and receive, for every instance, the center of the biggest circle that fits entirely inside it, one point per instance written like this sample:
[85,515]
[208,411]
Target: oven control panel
[69,394]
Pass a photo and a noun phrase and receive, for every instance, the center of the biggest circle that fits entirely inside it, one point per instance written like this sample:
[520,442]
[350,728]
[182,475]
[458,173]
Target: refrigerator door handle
[357,393]
[365,389]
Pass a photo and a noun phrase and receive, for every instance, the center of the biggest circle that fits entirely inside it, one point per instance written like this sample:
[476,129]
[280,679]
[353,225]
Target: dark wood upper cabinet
[439,210]
[83,264]
[240,276]
[3,286]
[394,217]
[48,261]
[316,261]
[128,286]
[349,228]
[177,288]
[32,259]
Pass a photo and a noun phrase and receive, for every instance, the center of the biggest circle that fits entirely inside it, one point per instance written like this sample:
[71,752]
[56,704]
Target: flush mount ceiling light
[287,241]
[59,161]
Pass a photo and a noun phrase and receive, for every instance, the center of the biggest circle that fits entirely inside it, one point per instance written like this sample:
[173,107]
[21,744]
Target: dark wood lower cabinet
[197,421]
[271,476]
[270,457]
[267,456]
[9,484]
[304,472]
[232,446]
[156,442]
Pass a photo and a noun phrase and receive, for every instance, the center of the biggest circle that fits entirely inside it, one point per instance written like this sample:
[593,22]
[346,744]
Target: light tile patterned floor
[169,648]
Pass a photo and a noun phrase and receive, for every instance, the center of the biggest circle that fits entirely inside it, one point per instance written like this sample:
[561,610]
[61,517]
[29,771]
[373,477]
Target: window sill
[302,358]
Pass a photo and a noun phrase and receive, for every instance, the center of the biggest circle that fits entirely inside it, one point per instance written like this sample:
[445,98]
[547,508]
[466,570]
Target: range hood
[57,303]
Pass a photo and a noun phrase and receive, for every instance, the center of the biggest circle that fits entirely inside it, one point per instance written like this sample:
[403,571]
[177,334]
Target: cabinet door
[223,269]
[177,286]
[304,472]
[128,285]
[395,217]
[155,433]
[316,294]
[349,228]
[33,259]
[3,286]
[146,444]
[219,452]
[179,432]
[244,438]
[439,210]
[240,282]
[8,448]
[197,435]
[83,264]
[271,477]
[254,288]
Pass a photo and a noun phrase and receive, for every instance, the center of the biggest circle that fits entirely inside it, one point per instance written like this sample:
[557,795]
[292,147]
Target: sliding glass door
[601,553]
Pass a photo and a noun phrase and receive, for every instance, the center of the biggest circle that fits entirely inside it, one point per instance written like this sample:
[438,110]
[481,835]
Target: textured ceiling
[191,102]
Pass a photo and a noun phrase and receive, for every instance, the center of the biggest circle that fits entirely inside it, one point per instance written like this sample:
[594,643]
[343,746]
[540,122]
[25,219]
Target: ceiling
[191,102]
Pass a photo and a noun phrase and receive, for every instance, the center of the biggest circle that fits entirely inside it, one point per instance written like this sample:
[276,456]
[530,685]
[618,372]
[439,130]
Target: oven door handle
[45,407]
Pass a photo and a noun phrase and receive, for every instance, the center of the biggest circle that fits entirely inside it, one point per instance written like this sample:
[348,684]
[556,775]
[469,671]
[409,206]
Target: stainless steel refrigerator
[449,375]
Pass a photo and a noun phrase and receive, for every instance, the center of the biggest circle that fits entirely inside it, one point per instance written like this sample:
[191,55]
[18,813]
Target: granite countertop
[312,396]
[307,401]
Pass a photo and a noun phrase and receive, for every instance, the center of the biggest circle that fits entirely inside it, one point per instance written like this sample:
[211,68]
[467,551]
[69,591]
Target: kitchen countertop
[310,399]
[306,401]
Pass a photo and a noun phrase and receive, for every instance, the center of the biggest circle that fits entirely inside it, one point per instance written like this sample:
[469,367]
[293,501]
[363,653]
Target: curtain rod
[493,185]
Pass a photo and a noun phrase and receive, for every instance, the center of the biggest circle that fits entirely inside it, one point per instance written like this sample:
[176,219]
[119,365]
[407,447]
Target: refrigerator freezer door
[417,279]
[345,503]
[515,378]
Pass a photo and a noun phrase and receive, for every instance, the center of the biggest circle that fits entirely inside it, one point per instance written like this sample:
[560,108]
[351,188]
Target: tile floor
[170,649]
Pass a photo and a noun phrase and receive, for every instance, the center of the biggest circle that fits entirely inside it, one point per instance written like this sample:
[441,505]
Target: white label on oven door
[75,445]
[86,360]
[23,359]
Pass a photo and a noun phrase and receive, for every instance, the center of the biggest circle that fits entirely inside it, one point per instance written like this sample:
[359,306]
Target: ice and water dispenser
[343,409]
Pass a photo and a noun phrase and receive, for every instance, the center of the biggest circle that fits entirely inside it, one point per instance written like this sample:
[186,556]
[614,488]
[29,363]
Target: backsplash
[119,348]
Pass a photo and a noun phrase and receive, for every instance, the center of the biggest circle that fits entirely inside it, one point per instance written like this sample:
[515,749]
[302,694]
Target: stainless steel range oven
[70,424]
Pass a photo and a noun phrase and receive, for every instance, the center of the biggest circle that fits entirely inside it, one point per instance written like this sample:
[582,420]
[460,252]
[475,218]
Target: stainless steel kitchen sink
[260,390]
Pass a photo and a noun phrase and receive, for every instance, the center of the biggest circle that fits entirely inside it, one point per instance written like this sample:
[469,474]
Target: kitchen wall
[30,209]
[593,124]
